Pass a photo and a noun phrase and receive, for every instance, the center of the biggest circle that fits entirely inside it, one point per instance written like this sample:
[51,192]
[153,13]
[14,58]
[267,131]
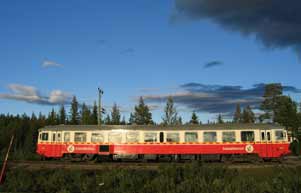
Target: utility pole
[100,93]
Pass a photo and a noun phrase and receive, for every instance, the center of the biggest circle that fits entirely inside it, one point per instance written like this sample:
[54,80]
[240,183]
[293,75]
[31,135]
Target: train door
[56,141]
[265,136]
[161,137]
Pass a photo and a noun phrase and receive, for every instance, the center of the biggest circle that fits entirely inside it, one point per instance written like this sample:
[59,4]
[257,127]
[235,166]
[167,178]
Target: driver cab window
[44,137]
[280,135]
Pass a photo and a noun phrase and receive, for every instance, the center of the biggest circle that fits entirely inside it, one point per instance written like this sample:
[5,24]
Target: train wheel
[88,157]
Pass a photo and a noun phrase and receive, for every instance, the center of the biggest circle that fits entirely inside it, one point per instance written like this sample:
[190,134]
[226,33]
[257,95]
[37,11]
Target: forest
[189,177]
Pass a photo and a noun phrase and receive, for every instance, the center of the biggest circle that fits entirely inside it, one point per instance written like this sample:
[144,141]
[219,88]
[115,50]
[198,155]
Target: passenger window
[80,137]
[67,137]
[53,137]
[269,136]
[247,136]
[229,136]
[40,136]
[262,136]
[45,136]
[115,137]
[191,137]
[209,137]
[132,137]
[150,137]
[172,137]
[97,138]
[280,135]
[59,137]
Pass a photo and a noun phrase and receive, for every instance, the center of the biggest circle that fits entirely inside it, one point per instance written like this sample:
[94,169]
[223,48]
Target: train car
[224,141]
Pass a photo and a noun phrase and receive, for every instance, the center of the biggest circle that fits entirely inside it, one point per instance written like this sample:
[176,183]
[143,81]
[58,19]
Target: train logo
[70,148]
[249,148]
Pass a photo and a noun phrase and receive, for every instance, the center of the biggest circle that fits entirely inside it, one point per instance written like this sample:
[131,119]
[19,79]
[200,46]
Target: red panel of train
[225,140]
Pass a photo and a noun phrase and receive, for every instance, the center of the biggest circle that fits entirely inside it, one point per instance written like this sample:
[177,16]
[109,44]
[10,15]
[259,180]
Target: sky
[208,55]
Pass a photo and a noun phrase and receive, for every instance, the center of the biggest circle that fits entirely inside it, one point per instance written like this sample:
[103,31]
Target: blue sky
[129,48]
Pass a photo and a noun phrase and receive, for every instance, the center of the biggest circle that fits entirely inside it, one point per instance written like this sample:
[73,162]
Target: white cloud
[31,94]
[49,63]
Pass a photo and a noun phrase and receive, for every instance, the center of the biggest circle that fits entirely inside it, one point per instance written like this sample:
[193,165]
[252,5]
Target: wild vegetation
[193,177]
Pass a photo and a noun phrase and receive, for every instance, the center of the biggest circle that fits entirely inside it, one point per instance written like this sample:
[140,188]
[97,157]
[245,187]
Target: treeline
[277,108]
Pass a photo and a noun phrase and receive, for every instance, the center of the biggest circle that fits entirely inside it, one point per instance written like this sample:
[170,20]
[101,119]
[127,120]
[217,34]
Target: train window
[115,137]
[161,137]
[262,136]
[67,137]
[40,136]
[191,137]
[228,136]
[172,137]
[53,137]
[97,137]
[150,137]
[59,137]
[269,136]
[80,137]
[209,137]
[247,136]
[279,135]
[132,137]
[44,136]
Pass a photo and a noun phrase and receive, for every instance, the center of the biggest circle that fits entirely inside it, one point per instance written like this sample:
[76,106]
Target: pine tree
[62,115]
[220,119]
[85,115]
[179,121]
[108,120]
[170,117]
[131,119]
[94,114]
[123,122]
[74,112]
[286,113]
[115,115]
[142,115]
[33,117]
[271,94]
[248,115]
[52,118]
[237,115]
[194,118]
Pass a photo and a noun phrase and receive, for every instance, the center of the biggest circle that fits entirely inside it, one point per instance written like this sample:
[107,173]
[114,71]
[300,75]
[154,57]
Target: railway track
[38,165]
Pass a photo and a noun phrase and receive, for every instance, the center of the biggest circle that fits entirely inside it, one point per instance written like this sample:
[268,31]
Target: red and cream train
[146,142]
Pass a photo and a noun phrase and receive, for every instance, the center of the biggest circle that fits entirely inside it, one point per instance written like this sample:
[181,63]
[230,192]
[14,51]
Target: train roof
[159,127]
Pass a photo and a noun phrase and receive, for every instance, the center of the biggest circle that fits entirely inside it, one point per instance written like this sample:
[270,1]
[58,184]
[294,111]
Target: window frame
[168,137]
[283,135]
[97,141]
[207,132]
[111,134]
[136,133]
[77,133]
[191,132]
[65,134]
[155,134]
[45,134]
[234,136]
[241,136]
